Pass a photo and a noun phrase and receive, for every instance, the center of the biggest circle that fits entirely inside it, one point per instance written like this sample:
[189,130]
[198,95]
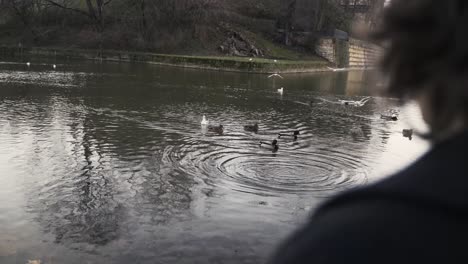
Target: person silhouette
[418,215]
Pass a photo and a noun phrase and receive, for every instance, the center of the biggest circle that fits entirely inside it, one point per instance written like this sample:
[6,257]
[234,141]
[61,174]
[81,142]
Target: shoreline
[215,63]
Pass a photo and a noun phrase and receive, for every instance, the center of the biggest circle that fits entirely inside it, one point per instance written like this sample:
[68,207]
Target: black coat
[419,215]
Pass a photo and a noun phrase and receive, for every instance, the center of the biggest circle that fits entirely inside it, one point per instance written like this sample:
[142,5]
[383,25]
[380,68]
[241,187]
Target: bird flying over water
[275,75]
[359,103]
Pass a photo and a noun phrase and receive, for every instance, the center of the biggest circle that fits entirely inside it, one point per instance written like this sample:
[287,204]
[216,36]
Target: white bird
[250,59]
[54,66]
[204,122]
[336,69]
[274,60]
[359,103]
[28,64]
[280,91]
[275,75]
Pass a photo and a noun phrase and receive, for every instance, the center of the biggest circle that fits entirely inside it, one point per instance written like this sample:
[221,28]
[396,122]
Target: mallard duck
[356,132]
[251,128]
[204,121]
[408,133]
[281,90]
[216,129]
[392,117]
[273,145]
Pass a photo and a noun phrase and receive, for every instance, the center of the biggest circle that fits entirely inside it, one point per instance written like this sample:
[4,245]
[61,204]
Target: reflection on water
[108,162]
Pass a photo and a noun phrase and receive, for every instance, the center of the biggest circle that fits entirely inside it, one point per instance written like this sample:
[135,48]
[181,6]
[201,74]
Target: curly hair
[426,52]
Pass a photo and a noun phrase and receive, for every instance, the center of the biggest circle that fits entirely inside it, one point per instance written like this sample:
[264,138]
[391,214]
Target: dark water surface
[107,163]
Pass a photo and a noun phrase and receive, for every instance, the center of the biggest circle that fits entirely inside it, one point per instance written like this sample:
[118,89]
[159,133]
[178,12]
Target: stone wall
[325,48]
[237,64]
[352,53]
[362,54]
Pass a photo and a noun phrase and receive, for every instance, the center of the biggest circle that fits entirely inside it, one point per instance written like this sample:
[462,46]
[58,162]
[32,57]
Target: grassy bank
[241,64]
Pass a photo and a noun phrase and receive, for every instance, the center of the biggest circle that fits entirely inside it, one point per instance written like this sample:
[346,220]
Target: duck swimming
[392,117]
[204,121]
[356,132]
[271,145]
[216,129]
[408,133]
[251,128]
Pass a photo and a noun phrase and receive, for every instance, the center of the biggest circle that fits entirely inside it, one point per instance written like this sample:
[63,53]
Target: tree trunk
[291,8]
[144,24]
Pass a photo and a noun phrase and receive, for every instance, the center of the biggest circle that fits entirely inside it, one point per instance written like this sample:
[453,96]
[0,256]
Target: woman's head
[426,58]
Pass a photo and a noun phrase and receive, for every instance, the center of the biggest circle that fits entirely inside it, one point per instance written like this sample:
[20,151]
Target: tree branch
[68,8]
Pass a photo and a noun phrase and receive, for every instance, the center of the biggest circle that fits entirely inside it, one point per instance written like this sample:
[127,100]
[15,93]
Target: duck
[251,128]
[54,66]
[292,134]
[216,129]
[273,145]
[392,117]
[250,59]
[28,64]
[281,90]
[204,121]
[356,132]
[408,133]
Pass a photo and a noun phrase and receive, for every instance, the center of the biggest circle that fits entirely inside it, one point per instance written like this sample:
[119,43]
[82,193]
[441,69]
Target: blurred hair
[426,52]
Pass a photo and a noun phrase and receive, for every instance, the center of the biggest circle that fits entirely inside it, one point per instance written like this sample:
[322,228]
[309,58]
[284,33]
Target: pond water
[108,163]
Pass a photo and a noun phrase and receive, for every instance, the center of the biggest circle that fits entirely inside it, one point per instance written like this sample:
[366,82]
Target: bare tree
[288,26]
[24,10]
[95,10]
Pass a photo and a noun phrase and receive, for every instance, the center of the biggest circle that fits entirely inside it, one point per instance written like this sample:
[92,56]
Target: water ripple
[253,170]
